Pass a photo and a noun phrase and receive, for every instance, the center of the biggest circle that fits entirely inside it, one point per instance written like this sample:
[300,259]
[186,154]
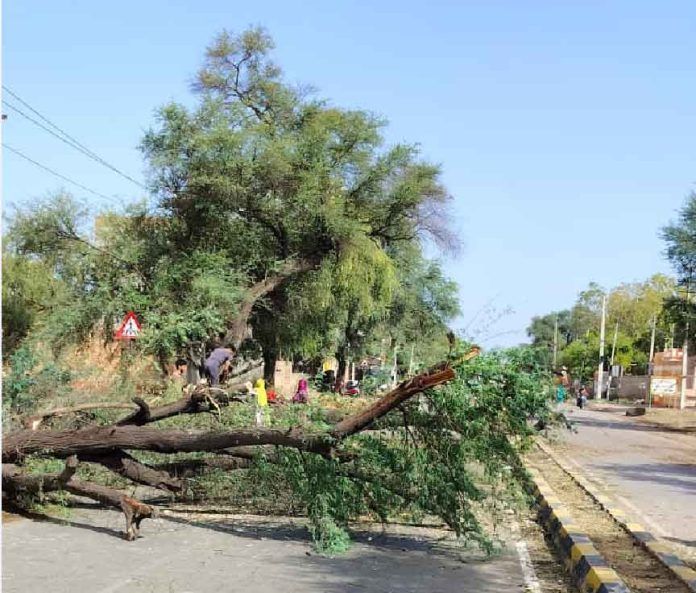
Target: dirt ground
[200,554]
[680,420]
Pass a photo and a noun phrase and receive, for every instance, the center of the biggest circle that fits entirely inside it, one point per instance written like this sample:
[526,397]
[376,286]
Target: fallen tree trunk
[14,481]
[127,466]
[191,403]
[106,439]
[107,444]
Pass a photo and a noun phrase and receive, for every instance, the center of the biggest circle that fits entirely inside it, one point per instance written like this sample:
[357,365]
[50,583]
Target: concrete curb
[585,564]
[662,551]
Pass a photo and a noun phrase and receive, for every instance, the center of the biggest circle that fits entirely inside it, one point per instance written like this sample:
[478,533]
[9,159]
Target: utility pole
[555,342]
[652,340]
[650,360]
[613,344]
[600,367]
[685,359]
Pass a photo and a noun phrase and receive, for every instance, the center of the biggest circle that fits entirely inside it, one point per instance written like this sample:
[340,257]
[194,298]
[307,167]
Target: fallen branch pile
[109,445]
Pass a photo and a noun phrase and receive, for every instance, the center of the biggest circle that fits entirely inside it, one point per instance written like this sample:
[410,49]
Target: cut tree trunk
[105,439]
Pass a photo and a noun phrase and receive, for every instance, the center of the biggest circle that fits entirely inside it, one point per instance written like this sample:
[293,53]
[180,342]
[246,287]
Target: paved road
[654,470]
[233,555]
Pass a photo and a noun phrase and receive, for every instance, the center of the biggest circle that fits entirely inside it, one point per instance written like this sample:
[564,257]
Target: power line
[31,119]
[45,168]
[67,138]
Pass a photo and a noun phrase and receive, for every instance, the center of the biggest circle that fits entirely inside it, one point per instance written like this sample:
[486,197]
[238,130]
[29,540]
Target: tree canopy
[264,197]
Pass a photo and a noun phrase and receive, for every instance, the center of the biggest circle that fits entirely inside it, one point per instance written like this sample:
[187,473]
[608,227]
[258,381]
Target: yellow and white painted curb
[586,565]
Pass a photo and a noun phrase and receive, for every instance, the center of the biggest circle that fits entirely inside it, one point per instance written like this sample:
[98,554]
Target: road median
[657,547]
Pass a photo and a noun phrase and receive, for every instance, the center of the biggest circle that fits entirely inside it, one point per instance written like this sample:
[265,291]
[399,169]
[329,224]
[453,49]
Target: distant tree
[680,238]
[541,329]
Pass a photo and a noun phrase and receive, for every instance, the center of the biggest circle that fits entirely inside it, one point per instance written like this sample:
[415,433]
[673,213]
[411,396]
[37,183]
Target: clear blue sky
[566,130]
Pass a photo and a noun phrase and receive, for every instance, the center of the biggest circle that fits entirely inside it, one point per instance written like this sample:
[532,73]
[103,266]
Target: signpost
[129,329]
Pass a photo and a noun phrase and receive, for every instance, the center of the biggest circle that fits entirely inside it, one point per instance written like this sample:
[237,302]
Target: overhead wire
[64,136]
[45,168]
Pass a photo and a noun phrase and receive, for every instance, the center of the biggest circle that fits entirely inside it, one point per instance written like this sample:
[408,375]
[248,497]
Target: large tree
[269,206]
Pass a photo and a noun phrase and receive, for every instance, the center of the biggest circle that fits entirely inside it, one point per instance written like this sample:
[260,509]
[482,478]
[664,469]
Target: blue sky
[566,130]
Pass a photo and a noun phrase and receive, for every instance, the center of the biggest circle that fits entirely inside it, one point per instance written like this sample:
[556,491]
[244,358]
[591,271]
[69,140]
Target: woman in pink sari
[302,394]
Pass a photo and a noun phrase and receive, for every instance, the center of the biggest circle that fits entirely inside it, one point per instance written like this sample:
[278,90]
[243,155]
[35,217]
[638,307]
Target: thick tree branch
[34,421]
[105,440]
[16,482]
[127,466]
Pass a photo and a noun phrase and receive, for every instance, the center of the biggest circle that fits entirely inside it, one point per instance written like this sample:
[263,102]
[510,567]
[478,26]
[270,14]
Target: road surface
[254,556]
[650,470]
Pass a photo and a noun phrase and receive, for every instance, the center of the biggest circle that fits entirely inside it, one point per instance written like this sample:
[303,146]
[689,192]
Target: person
[218,360]
[180,367]
[272,396]
[562,380]
[261,402]
[302,394]
[582,397]
[261,395]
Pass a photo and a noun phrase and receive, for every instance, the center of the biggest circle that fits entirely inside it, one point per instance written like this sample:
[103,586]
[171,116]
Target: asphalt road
[650,470]
[174,556]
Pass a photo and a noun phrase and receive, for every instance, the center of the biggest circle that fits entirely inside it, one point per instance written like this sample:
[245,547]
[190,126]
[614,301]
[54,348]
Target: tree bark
[127,466]
[105,439]
[270,357]
[391,400]
[33,422]
[238,328]
[341,357]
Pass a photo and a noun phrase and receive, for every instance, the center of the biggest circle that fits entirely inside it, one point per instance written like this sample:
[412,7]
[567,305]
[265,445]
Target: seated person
[302,394]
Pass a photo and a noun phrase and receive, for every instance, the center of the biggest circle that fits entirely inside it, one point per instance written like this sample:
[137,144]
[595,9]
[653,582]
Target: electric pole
[555,342]
[685,359]
[600,367]
[613,344]
[652,341]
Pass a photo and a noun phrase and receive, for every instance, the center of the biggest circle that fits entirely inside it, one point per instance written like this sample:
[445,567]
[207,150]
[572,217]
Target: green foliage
[631,306]
[449,455]
[30,382]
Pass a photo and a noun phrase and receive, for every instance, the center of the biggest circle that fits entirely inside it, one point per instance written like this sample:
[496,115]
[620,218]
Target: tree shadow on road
[681,476]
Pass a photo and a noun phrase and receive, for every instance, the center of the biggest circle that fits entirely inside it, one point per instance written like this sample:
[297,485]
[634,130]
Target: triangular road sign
[129,328]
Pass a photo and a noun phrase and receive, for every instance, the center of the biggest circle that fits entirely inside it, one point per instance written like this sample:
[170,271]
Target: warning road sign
[129,328]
